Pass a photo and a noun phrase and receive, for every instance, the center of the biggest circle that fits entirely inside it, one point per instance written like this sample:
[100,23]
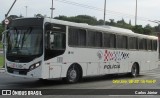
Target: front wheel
[73,75]
[134,70]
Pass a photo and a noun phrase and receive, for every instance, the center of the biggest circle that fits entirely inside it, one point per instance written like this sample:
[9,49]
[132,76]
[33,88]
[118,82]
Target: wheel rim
[73,75]
[134,71]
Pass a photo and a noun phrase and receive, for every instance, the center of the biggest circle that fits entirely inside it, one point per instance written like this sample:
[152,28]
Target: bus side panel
[103,69]
[55,71]
[123,66]
[92,69]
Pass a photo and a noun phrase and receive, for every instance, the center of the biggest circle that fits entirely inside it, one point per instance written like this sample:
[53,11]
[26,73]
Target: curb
[2,70]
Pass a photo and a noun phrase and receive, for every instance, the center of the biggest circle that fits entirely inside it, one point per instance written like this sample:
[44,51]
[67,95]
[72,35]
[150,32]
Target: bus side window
[98,39]
[154,45]
[142,44]
[109,40]
[91,37]
[55,37]
[133,43]
[94,38]
[77,37]
[149,44]
[121,42]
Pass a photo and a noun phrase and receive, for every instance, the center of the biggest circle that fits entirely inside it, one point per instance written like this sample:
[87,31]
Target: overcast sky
[116,9]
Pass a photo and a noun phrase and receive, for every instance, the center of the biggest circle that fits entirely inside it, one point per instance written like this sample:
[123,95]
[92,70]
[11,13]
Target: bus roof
[104,29]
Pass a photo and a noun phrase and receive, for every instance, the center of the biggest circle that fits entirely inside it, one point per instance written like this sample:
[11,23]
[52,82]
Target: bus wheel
[134,70]
[73,75]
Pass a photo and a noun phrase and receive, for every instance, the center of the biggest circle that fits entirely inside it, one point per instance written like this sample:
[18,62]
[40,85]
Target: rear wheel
[134,70]
[73,75]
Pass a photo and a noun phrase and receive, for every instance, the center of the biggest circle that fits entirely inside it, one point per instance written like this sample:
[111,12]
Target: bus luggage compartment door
[55,71]
[92,69]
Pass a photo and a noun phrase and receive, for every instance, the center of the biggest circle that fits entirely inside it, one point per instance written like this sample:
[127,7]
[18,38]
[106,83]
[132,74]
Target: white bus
[47,48]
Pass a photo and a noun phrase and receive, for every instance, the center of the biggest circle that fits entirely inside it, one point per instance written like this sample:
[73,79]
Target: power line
[100,9]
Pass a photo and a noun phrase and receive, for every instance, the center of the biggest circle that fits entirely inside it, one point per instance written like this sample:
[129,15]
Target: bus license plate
[15,72]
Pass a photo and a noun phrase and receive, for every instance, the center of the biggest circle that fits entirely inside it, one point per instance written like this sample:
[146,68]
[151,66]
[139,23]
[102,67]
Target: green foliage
[157,28]
[80,19]
[123,24]
[1,30]
[147,30]
[138,29]
[100,22]
[1,46]
[1,61]
[39,16]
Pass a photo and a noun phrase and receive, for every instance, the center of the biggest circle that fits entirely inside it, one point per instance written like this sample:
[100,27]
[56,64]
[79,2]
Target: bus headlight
[34,66]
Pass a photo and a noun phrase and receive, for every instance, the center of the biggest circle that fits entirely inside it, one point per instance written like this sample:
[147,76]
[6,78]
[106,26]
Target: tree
[1,30]
[157,28]
[112,23]
[121,22]
[39,15]
[100,22]
[148,30]
[138,29]
[80,19]
[62,18]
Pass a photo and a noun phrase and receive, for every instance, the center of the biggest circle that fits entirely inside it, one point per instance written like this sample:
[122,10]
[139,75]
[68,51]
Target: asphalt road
[103,82]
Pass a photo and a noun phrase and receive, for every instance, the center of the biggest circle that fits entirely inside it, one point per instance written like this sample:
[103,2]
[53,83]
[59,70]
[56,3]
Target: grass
[1,46]
[1,61]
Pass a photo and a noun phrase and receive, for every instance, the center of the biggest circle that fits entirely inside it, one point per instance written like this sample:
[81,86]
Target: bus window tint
[121,42]
[109,40]
[81,37]
[77,37]
[73,37]
[98,40]
[133,43]
[154,45]
[142,44]
[149,44]
[91,37]
[94,39]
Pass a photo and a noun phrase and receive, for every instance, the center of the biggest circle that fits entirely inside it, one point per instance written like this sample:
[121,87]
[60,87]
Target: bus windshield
[24,41]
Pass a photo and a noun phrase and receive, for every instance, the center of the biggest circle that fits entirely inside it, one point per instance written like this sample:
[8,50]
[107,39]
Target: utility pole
[104,11]
[52,10]
[26,10]
[136,14]
[4,46]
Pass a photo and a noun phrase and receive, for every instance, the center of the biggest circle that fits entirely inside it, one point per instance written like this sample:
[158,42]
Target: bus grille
[20,71]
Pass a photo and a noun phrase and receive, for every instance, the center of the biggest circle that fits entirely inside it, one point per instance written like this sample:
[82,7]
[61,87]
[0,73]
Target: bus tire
[73,75]
[134,70]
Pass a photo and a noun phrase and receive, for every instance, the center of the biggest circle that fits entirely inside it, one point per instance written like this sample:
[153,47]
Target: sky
[115,9]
